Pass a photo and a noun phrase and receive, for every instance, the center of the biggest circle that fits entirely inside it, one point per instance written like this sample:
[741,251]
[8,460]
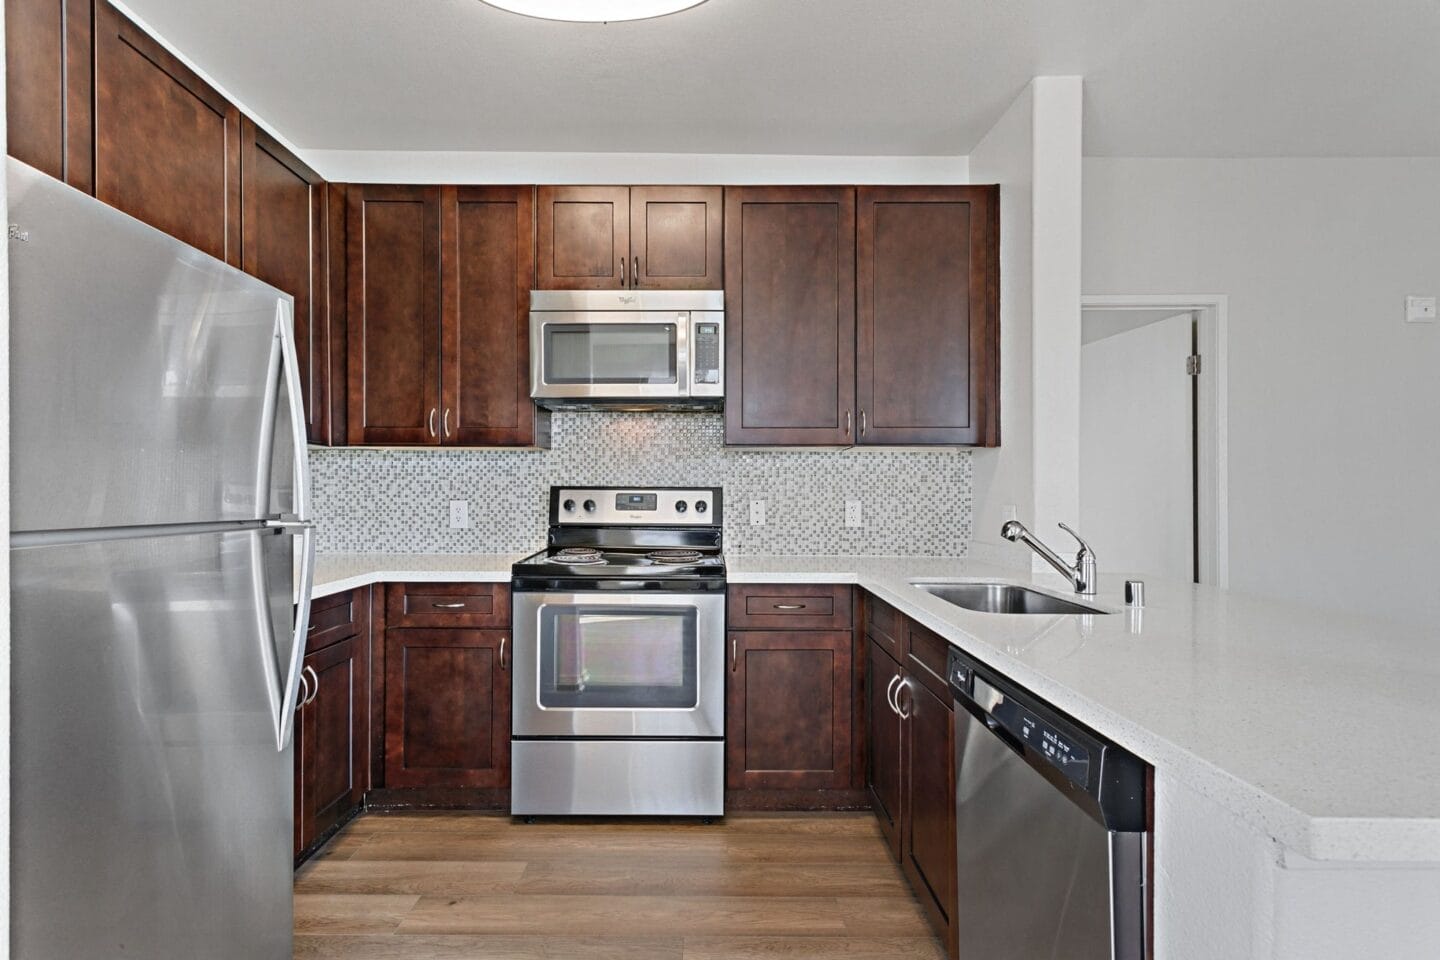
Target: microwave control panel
[708,347]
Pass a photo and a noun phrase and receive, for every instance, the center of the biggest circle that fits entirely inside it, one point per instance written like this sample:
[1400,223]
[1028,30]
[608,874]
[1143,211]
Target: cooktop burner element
[675,557]
[577,556]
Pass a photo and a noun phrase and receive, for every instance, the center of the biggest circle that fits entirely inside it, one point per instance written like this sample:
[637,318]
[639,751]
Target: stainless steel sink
[1003,598]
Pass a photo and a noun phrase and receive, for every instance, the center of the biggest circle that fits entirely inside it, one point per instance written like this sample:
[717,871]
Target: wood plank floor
[447,886]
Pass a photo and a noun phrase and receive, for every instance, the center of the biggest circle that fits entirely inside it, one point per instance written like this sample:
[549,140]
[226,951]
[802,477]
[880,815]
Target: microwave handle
[684,334]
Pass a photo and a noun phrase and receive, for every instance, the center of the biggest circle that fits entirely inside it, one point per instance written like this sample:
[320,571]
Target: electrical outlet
[1419,309]
[459,514]
[853,515]
[757,513]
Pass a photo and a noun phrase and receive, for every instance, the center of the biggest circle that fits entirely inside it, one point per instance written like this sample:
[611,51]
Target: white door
[1137,506]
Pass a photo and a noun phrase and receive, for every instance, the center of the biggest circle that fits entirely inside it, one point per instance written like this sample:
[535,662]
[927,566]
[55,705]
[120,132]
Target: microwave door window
[620,353]
[597,657]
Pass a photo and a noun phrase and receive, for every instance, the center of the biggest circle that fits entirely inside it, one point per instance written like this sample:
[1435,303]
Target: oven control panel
[636,506]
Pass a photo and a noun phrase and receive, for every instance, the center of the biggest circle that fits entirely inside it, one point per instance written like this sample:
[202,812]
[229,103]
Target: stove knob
[589,506]
[701,506]
[569,506]
[681,506]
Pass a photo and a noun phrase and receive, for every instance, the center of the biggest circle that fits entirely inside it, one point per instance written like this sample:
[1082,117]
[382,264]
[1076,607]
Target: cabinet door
[675,238]
[487,268]
[928,347]
[789,710]
[393,315]
[48,87]
[884,742]
[447,708]
[790,315]
[283,216]
[167,146]
[928,835]
[335,735]
[584,238]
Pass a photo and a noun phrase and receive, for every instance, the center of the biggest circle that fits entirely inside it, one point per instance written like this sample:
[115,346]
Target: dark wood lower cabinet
[789,710]
[334,737]
[928,808]
[910,774]
[884,730]
[447,708]
[331,724]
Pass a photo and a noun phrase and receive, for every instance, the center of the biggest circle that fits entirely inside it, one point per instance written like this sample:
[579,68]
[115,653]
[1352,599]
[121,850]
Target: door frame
[1212,436]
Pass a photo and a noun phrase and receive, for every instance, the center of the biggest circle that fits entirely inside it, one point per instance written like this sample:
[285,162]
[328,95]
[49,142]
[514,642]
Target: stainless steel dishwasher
[1050,829]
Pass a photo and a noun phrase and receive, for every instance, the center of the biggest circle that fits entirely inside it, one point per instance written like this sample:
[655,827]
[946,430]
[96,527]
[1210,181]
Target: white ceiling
[859,77]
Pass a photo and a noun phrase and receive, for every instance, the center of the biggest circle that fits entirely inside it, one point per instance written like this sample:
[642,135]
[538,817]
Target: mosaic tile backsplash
[914,502]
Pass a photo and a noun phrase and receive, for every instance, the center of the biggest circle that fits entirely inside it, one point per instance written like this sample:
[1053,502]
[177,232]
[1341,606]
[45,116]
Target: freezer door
[144,374]
[151,809]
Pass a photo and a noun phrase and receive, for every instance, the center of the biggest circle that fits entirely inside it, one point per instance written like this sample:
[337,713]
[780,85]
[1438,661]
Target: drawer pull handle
[789,606]
[315,689]
[449,606]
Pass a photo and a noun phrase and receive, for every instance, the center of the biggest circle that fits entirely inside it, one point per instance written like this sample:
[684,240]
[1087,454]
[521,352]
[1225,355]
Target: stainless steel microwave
[627,349]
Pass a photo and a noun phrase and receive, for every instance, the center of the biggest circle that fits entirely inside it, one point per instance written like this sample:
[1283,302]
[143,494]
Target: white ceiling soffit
[835,77]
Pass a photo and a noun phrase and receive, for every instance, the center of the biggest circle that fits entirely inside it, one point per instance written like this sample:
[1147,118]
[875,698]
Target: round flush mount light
[594,11]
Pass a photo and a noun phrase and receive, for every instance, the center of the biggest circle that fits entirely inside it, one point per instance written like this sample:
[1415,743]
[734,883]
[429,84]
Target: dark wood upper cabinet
[447,708]
[283,215]
[790,710]
[167,145]
[676,238]
[49,86]
[487,268]
[613,238]
[927,264]
[584,238]
[790,315]
[393,314]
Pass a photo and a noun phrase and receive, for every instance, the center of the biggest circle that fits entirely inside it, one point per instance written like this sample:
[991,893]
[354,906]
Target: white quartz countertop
[1316,728]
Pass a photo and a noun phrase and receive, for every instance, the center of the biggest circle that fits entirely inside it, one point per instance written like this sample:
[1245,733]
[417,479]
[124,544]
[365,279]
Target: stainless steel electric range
[619,699]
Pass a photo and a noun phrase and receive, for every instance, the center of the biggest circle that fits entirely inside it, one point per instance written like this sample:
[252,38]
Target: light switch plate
[757,513]
[459,514]
[1419,309]
[853,515]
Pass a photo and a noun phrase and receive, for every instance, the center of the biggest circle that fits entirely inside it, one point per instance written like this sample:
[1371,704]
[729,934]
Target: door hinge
[1192,365]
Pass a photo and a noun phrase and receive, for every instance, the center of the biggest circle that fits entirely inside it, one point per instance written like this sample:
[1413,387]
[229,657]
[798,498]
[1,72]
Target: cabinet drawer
[925,659]
[886,626]
[337,617]
[789,607]
[447,605]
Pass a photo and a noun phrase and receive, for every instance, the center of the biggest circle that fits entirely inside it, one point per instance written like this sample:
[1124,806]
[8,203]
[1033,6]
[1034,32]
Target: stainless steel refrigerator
[159,521]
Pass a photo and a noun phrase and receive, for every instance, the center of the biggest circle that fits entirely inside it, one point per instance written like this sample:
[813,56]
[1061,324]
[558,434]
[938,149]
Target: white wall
[1033,152]
[390,166]
[1334,437]
[1004,476]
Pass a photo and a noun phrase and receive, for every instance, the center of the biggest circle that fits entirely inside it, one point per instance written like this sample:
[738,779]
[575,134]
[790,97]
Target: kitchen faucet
[1082,575]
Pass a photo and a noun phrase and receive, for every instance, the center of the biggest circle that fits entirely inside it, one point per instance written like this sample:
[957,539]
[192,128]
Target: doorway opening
[1153,434]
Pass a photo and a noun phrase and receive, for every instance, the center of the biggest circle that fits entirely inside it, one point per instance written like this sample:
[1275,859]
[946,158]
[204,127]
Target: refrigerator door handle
[282,689]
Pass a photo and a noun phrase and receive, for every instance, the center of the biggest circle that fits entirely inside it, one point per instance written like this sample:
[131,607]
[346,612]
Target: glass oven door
[610,355]
[613,664]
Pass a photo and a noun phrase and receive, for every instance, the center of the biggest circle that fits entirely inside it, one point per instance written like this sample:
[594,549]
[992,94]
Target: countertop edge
[1319,838]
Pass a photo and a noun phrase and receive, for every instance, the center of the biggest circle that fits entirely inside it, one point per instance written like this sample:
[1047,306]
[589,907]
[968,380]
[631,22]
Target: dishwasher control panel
[1063,753]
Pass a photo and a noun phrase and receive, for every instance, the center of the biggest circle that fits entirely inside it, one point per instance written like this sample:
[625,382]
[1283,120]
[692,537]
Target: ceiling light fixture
[594,11]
